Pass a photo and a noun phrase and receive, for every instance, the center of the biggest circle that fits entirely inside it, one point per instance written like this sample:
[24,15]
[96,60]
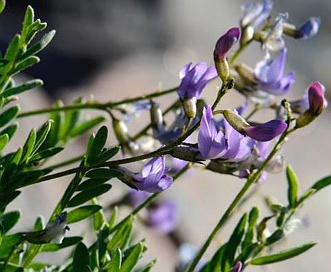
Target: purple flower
[152,178]
[211,140]
[194,79]
[308,29]
[226,42]
[163,216]
[213,143]
[267,131]
[256,13]
[270,74]
[273,40]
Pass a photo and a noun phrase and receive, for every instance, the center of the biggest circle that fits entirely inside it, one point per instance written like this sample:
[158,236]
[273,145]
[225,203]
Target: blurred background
[120,48]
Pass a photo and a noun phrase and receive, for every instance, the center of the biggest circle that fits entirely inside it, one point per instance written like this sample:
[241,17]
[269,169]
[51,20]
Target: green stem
[96,105]
[253,178]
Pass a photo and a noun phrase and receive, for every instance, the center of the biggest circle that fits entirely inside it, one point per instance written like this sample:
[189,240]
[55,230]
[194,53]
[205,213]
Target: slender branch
[253,178]
[96,105]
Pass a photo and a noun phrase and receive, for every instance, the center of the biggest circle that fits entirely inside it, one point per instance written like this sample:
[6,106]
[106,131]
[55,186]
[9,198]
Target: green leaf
[42,134]
[28,17]
[8,220]
[106,154]
[275,237]
[91,183]
[39,224]
[85,126]
[87,195]
[215,263]
[282,255]
[31,84]
[70,120]
[98,218]
[4,139]
[306,195]
[82,212]
[147,267]
[2,5]
[13,48]
[7,198]
[249,236]
[116,260]
[40,45]
[7,244]
[102,244]
[29,145]
[98,143]
[32,30]
[322,183]
[234,243]
[103,173]
[122,236]
[10,130]
[10,267]
[81,259]
[293,187]
[113,217]
[8,115]
[67,242]
[22,65]
[132,259]
[45,154]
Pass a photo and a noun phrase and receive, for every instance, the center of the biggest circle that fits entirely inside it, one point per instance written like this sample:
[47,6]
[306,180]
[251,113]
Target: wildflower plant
[223,141]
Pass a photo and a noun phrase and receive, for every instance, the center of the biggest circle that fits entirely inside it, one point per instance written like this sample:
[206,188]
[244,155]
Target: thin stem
[96,105]
[250,181]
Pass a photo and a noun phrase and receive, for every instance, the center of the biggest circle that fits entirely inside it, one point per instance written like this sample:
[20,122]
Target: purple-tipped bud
[316,98]
[237,267]
[267,131]
[308,29]
[226,42]
[316,105]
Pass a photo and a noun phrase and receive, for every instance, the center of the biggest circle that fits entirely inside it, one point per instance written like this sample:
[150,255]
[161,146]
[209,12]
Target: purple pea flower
[211,140]
[267,131]
[226,42]
[308,29]
[152,178]
[270,74]
[194,79]
[213,143]
[263,132]
[256,13]
[163,216]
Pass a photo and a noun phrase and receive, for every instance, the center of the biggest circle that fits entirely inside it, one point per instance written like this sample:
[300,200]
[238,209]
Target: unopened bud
[246,35]
[236,121]
[222,67]
[190,107]
[121,131]
[316,105]
[156,116]
[247,74]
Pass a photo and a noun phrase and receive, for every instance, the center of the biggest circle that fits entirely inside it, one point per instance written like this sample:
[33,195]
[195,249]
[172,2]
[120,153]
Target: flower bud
[316,105]
[156,116]
[222,48]
[121,131]
[307,30]
[190,107]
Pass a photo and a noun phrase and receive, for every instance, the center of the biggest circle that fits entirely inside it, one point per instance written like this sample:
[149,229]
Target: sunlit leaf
[82,212]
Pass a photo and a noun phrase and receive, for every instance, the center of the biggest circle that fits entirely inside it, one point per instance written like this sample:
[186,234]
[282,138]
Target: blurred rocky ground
[120,48]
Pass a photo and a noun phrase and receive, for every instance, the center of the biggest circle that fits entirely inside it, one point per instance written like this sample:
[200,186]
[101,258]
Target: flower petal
[267,131]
